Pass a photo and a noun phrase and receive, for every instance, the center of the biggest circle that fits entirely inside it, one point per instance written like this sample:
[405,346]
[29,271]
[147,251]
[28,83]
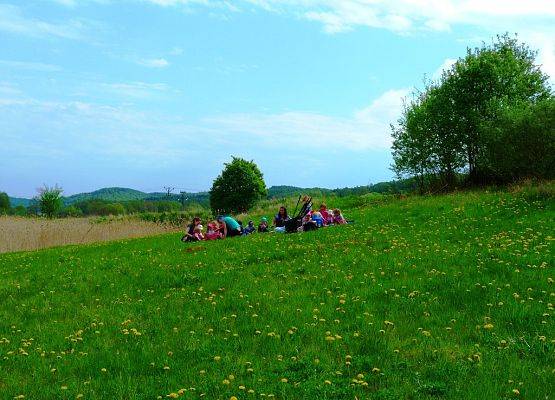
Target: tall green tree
[5,205]
[238,187]
[489,77]
[50,200]
[441,132]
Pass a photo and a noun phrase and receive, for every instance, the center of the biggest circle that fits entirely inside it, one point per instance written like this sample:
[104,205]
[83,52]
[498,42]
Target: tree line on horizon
[169,204]
[489,119]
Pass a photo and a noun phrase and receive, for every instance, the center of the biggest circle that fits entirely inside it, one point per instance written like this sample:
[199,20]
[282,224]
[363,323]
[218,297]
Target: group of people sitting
[227,226]
[312,220]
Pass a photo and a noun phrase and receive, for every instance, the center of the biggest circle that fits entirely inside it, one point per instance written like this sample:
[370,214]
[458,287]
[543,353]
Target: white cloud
[365,129]
[176,51]
[154,62]
[446,65]
[12,20]
[396,15]
[33,66]
[147,137]
[532,19]
[140,90]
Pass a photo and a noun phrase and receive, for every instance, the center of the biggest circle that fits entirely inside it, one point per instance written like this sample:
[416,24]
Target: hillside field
[447,297]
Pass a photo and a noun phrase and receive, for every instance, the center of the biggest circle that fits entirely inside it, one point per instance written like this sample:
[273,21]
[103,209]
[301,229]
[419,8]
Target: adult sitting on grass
[280,219]
[230,226]
[190,232]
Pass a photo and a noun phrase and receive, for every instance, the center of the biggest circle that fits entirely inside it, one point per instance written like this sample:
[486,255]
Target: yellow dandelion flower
[217,358]
[488,326]
[284,380]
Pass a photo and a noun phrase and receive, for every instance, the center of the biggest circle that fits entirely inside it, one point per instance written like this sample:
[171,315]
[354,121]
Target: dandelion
[284,380]
[217,358]
[488,326]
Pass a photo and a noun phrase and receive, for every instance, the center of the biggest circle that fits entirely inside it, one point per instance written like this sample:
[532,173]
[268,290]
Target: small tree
[238,188]
[5,205]
[20,211]
[50,200]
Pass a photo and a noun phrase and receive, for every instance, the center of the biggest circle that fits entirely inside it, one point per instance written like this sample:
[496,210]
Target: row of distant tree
[49,203]
[240,185]
[490,118]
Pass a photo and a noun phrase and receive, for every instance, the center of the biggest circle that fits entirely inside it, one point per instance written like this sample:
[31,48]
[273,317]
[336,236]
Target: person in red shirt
[326,215]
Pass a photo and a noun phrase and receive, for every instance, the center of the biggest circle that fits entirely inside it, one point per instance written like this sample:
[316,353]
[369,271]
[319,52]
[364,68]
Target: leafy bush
[4,203]
[71,211]
[20,211]
[520,142]
[50,200]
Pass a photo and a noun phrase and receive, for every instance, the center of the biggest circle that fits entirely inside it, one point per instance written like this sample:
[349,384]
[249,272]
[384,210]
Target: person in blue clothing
[230,226]
[249,229]
[317,217]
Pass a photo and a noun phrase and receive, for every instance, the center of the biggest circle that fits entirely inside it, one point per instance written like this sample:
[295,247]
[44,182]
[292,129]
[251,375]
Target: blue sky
[149,93]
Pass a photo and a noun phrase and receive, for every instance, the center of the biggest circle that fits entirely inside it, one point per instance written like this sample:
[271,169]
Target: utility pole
[169,190]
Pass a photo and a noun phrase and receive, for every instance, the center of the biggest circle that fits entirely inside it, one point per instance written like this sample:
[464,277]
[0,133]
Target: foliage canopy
[451,126]
[4,203]
[238,187]
[50,200]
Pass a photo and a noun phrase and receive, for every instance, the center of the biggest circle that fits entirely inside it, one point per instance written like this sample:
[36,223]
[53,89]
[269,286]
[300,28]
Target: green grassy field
[446,297]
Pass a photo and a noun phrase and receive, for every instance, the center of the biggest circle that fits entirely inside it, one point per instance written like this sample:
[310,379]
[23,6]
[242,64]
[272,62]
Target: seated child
[309,224]
[263,226]
[197,233]
[249,229]
[326,215]
[213,232]
[338,217]
[317,217]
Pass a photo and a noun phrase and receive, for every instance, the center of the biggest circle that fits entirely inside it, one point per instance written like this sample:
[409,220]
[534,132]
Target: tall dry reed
[17,234]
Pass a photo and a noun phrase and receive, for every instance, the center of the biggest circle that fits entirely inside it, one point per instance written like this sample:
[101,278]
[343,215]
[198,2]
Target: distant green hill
[115,194]
[18,201]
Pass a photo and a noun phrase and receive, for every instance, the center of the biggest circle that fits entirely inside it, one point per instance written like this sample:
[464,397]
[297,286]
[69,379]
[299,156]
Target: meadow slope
[446,297]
